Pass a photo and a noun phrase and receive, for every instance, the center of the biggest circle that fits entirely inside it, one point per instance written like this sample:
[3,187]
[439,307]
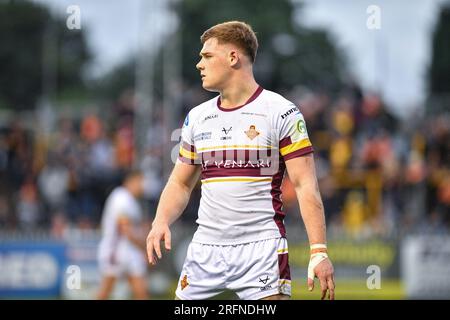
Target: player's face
[214,65]
[138,183]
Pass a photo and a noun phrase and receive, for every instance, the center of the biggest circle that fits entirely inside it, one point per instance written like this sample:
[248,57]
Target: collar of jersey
[252,98]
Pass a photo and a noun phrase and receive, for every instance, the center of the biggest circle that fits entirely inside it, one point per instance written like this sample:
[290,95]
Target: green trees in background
[40,56]
[37,53]
[289,54]
[439,72]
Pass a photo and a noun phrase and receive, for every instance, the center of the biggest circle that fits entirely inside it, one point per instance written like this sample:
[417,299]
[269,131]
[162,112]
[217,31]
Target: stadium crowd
[377,174]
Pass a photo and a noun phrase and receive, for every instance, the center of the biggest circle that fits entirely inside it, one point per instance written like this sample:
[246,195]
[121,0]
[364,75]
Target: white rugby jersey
[120,203]
[242,152]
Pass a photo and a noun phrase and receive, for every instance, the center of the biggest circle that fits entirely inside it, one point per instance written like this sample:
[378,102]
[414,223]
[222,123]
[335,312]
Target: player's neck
[238,92]
[131,190]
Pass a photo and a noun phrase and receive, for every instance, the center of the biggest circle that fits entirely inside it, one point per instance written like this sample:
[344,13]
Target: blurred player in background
[241,142]
[122,248]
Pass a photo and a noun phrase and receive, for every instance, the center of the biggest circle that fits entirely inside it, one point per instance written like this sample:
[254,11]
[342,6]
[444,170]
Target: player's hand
[320,266]
[159,232]
[124,226]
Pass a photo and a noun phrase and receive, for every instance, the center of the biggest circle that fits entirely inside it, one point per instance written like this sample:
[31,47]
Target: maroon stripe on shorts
[283,265]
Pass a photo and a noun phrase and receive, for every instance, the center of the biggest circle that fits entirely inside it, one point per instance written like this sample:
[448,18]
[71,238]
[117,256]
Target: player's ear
[233,57]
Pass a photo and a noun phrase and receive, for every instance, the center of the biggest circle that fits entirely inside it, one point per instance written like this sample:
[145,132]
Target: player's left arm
[126,229]
[302,174]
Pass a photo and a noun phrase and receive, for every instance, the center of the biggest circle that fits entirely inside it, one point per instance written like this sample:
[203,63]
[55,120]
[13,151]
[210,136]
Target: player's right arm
[126,229]
[172,203]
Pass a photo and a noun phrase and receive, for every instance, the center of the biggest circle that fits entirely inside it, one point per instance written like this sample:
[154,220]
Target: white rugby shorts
[252,270]
[123,262]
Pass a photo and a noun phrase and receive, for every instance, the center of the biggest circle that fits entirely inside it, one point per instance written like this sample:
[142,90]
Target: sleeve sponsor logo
[290,111]
[301,126]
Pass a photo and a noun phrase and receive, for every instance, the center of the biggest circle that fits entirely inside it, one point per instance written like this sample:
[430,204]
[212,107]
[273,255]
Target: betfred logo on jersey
[284,115]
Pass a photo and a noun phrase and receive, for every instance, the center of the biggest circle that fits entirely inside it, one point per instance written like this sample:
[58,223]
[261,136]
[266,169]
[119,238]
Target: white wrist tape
[318,246]
[315,259]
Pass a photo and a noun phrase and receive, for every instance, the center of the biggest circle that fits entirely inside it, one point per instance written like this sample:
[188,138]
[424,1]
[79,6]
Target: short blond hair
[238,33]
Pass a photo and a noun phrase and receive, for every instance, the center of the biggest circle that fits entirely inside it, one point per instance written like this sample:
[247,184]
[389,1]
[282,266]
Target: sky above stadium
[392,60]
